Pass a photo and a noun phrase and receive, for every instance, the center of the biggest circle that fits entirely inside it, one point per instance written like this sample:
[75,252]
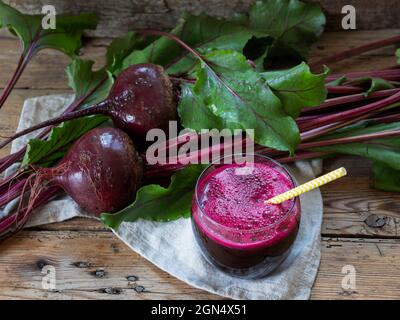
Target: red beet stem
[354,52]
[172,37]
[389,74]
[386,119]
[345,140]
[22,63]
[302,156]
[100,108]
[7,161]
[356,113]
[167,169]
[13,192]
[344,89]
[339,101]
[11,84]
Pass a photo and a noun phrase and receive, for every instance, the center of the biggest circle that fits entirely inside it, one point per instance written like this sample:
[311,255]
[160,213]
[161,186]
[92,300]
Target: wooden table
[91,263]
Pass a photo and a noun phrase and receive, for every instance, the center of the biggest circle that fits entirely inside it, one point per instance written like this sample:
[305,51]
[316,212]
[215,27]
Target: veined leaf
[66,37]
[237,97]
[119,49]
[194,113]
[47,152]
[285,27]
[92,86]
[95,86]
[201,32]
[295,25]
[154,202]
[297,88]
[384,152]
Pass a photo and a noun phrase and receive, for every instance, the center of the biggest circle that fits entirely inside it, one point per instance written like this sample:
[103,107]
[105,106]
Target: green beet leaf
[295,25]
[194,113]
[229,93]
[385,177]
[275,27]
[154,202]
[201,32]
[377,84]
[66,37]
[94,86]
[337,82]
[89,86]
[297,88]
[119,49]
[46,152]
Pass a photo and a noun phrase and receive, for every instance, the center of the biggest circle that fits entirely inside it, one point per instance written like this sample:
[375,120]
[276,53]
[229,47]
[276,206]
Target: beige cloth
[171,246]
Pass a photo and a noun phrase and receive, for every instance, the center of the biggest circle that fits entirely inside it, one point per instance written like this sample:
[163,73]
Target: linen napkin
[171,246]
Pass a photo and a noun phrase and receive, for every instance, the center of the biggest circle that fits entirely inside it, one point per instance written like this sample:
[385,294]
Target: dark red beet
[101,171]
[148,100]
[142,98]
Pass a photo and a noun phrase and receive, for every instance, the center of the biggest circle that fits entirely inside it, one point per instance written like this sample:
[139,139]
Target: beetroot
[142,98]
[101,171]
[147,100]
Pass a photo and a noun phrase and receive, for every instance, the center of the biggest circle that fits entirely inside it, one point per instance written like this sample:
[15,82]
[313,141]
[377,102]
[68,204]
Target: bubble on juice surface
[238,201]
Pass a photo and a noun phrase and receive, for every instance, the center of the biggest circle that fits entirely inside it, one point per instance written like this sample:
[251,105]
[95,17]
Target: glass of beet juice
[236,230]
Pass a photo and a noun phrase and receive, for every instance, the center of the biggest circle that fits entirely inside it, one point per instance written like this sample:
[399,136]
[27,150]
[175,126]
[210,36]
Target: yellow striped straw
[308,186]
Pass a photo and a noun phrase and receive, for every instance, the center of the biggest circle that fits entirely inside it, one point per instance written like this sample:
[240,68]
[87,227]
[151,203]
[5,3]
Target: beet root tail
[40,188]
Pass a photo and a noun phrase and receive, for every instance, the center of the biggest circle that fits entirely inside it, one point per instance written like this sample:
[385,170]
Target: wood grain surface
[119,16]
[92,263]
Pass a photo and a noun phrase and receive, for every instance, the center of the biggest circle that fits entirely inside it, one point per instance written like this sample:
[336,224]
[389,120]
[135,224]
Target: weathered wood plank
[353,208]
[119,16]
[376,264]
[333,42]
[77,256]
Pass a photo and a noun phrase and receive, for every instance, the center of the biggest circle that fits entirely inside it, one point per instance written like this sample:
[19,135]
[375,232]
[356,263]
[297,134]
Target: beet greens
[66,37]
[208,73]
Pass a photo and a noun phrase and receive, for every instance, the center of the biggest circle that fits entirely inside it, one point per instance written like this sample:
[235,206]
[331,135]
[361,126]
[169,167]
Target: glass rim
[284,217]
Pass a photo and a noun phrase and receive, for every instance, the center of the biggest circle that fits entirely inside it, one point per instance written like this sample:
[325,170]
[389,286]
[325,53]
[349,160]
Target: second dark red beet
[102,171]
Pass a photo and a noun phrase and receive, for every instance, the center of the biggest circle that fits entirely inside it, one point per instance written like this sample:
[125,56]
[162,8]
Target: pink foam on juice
[237,202]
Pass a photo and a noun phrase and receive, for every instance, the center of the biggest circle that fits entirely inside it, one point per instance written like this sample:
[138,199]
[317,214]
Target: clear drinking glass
[251,252]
